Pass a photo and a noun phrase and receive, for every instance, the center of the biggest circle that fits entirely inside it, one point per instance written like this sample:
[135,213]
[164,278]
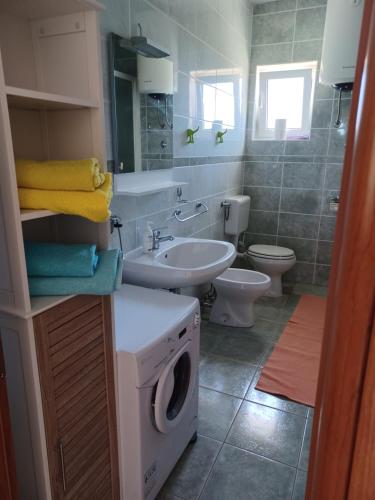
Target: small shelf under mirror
[148,188]
[144,183]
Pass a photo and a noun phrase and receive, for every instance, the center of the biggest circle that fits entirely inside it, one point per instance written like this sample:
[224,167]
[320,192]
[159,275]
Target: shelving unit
[33,99]
[35,214]
[42,304]
[51,107]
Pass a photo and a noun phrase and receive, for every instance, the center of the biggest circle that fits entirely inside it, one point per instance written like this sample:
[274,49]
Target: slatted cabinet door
[75,358]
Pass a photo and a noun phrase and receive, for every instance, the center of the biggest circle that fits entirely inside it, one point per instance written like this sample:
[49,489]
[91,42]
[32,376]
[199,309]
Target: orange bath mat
[293,367]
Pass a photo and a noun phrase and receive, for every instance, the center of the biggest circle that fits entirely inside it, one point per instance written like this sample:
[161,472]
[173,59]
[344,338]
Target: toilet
[273,261]
[237,289]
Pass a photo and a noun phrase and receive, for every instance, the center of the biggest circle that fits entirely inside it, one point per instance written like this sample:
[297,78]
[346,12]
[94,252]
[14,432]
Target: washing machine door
[175,388]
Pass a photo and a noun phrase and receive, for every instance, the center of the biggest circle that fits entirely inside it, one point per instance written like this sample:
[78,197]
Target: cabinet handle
[61,448]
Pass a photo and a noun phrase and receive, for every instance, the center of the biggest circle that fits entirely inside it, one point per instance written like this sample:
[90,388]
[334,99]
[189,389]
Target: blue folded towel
[107,279]
[54,259]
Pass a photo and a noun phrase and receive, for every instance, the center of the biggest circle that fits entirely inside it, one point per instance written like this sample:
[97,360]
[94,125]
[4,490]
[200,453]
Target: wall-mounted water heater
[340,43]
[155,76]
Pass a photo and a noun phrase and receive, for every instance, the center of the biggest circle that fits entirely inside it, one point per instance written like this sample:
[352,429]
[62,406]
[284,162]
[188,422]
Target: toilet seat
[272,252]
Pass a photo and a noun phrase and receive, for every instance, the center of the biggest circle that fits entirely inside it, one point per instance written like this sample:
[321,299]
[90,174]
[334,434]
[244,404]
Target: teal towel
[107,279]
[54,259]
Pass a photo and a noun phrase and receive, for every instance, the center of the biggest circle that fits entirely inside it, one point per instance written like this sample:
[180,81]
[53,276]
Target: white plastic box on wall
[341,40]
[155,76]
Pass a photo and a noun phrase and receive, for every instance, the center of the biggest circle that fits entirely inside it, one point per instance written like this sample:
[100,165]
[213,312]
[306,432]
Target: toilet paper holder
[334,203]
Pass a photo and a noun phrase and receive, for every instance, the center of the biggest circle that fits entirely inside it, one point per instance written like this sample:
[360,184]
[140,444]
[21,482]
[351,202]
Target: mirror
[142,135]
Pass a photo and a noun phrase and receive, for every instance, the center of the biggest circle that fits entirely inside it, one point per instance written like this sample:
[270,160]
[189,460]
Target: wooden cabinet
[51,108]
[8,483]
[75,359]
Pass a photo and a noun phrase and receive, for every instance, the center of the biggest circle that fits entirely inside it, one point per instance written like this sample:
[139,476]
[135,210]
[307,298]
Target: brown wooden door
[362,481]
[342,458]
[8,483]
[75,357]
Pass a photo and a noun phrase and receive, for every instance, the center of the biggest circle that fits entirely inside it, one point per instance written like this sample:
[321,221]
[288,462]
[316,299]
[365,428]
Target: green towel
[106,280]
[54,259]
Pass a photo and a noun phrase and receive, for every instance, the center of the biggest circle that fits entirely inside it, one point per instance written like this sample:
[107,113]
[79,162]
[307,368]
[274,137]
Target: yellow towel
[72,175]
[93,206]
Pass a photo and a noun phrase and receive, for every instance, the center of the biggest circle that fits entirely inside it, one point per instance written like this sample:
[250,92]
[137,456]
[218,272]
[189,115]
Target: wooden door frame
[336,457]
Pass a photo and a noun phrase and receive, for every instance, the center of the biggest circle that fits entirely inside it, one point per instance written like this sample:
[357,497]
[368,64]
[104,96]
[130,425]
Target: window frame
[306,70]
[211,78]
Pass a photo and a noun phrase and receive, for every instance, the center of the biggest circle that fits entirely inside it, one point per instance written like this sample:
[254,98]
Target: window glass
[285,101]
[208,101]
[216,96]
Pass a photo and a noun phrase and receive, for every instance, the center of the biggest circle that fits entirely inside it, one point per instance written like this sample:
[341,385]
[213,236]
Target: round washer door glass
[174,389]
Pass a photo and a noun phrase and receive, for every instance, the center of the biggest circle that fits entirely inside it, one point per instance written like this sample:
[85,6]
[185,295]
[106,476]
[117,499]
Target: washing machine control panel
[168,345]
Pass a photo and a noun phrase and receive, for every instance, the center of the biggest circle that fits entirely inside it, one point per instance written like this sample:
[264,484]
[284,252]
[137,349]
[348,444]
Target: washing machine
[157,346]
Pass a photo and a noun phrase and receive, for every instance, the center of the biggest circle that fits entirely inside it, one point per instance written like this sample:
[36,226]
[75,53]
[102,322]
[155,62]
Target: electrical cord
[338,121]
[119,236]
[116,224]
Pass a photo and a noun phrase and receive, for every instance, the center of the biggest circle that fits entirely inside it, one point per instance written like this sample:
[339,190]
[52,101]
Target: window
[223,110]
[218,97]
[283,101]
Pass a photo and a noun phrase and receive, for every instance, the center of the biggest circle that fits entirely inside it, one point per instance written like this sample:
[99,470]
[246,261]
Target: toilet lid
[271,251]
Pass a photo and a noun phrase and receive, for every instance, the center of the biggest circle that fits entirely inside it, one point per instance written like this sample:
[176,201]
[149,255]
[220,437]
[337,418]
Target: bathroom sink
[179,263]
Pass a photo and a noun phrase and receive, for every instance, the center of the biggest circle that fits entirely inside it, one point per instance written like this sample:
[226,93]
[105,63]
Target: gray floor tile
[268,330]
[300,486]
[242,346]
[216,413]
[305,288]
[285,304]
[274,309]
[278,402]
[263,329]
[266,354]
[210,336]
[191,471]
[268,432]
[304,459]
[225,375]
[277,302]
[269,312]
[239,475]
[164,495]
[292,303]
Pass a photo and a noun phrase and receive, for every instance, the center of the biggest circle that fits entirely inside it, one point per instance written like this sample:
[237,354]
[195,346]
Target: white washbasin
[179,263]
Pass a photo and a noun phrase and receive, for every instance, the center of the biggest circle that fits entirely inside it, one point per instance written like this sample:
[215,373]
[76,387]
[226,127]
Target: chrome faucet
[156,239]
